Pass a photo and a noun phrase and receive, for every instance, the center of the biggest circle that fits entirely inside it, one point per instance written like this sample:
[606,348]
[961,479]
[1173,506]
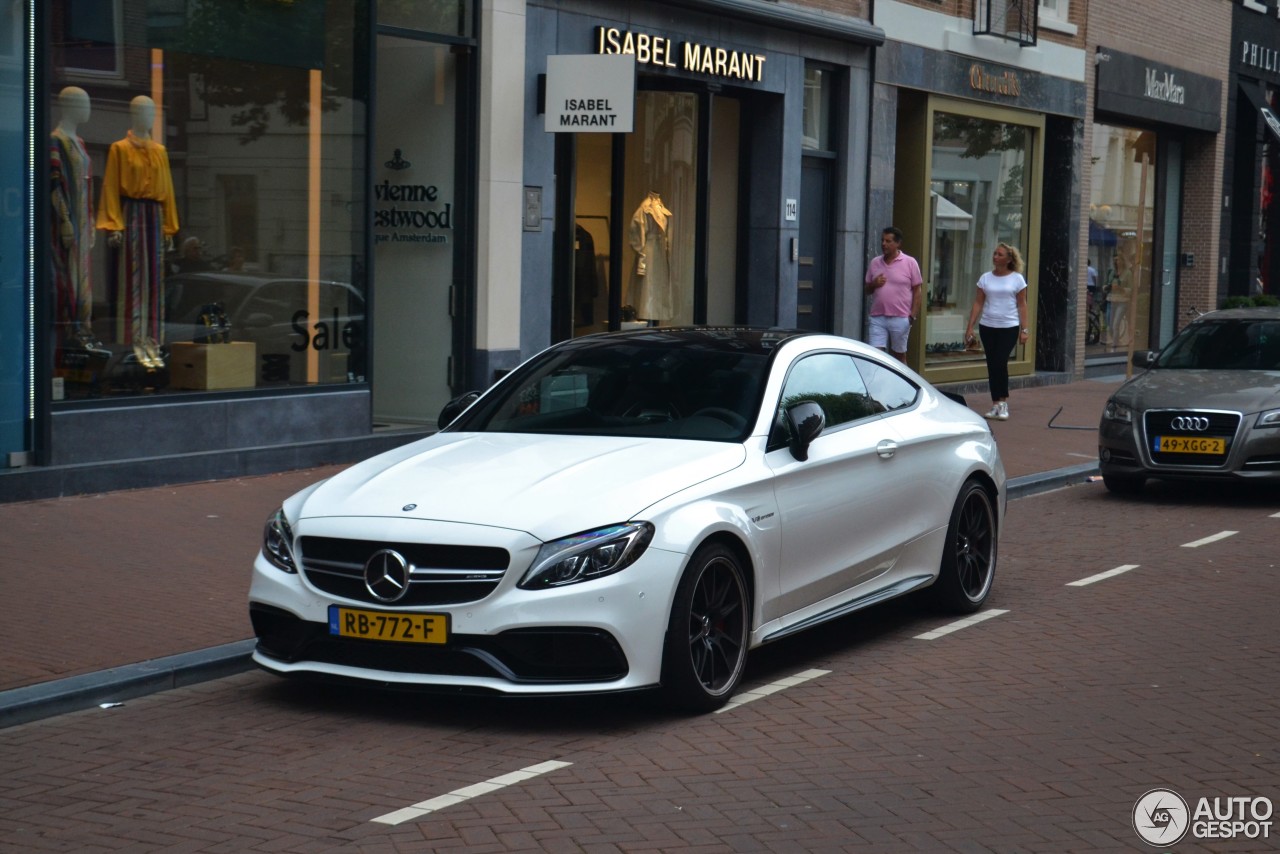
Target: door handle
[886,448]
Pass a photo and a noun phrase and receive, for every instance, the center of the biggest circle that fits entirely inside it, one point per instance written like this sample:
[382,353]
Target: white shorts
[890,331]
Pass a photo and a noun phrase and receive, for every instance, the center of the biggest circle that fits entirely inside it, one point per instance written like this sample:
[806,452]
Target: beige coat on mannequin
[650,235]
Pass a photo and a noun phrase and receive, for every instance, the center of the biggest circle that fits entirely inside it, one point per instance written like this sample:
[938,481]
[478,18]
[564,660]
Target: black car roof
[751,339]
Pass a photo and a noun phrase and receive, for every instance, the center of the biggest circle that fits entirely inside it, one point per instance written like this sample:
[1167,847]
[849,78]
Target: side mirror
[451,410]
[1145,358]
[806,421]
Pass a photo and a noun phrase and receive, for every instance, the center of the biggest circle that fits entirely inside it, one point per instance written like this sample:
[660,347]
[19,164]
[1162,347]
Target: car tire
[1124,484]
[705,649]
[969,555]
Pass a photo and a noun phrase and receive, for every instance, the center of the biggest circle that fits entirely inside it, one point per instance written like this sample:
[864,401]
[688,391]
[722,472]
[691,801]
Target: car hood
[1239,391]
[547,486]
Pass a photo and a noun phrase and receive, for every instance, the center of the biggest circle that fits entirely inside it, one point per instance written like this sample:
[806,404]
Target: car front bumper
[1253,454]
[597,636]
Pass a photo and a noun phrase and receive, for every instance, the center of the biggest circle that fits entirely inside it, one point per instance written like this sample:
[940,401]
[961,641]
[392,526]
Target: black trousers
[997,344]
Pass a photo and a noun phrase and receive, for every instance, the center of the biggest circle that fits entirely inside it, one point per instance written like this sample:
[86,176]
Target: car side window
[832,381]
[886,386]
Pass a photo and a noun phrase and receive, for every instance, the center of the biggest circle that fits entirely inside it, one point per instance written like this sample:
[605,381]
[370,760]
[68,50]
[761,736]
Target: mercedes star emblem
[386,575]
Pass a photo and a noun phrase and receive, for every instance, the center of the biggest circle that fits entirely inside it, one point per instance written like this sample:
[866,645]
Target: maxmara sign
[1134,86]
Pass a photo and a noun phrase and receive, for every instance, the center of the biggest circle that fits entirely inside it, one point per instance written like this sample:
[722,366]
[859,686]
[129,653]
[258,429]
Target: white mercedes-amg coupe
[635,510]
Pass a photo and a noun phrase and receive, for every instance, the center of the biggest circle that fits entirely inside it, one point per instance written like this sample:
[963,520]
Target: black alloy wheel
[969,556]
[706,645]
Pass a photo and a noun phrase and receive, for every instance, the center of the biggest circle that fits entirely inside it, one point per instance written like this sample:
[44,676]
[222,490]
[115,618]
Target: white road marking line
[1221,535]
[1275,515]
[457,796]
[961,624]
[1101,575]
[772,688]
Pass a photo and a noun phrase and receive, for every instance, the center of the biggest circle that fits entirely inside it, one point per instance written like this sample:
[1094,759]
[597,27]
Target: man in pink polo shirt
[894,282]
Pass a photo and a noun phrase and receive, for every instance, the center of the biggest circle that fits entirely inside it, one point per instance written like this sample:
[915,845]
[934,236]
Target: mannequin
[72,231]
[141,215]
[651,278]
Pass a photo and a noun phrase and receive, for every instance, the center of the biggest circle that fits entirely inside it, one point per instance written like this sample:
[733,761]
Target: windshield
[665,389]
[1236,344]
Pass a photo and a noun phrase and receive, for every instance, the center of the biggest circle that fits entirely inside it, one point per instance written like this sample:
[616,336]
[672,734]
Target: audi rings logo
[386,575]
[1190,423]
[1161,817]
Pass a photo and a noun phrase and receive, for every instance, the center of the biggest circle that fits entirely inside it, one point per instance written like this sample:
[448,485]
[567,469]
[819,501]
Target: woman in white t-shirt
[1000,310]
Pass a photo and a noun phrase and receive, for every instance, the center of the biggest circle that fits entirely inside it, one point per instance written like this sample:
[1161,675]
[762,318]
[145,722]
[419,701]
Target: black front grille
[440,574]
[1221,425]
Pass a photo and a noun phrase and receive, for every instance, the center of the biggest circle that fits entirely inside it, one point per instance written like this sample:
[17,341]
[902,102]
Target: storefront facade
[252,235]
[1251,221]
[981,146]
[1149,119]
[736,197]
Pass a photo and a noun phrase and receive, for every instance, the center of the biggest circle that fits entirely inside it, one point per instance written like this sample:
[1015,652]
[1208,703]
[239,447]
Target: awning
[949,216]
[1256,97]
[1100,235]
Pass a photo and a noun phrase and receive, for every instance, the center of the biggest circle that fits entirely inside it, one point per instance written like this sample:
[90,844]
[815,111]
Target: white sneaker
[993,412]
[998,412]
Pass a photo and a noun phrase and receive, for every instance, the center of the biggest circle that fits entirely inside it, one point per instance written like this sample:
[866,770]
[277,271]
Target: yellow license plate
[1190,445]
[387,626]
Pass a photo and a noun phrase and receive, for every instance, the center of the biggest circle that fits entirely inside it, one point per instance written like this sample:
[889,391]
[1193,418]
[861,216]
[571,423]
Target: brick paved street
[1035,730]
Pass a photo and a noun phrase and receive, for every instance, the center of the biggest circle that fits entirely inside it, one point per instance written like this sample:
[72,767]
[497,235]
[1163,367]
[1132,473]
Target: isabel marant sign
[590,94]
[657,51]
[1133,86]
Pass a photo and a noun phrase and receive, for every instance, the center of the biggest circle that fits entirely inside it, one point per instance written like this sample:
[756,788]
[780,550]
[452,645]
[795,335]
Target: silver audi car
[1207,405]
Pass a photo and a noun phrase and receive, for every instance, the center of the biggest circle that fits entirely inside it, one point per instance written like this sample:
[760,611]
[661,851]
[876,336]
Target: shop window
[91,43]
[817,108]
[660,201]
[1121,229]
[229,162]
[592,238]
[636,252]
[979,197]
[445,17]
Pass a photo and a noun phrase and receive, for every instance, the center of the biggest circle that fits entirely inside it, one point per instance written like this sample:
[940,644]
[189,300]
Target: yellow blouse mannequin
[137,168]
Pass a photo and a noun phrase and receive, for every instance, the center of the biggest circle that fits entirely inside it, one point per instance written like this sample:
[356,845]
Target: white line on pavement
[1101,575]
[1275,515]
[457,796]
[1221,535]
[772,688]
[961,624]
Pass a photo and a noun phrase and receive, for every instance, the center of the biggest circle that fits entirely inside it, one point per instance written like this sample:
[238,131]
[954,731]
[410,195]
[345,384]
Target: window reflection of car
[275,313]
[635,510]
[1206,407]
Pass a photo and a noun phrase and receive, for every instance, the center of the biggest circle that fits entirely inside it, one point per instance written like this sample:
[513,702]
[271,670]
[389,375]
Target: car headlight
[591,554]
[1268,419]
[1116,411]
[277,542]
